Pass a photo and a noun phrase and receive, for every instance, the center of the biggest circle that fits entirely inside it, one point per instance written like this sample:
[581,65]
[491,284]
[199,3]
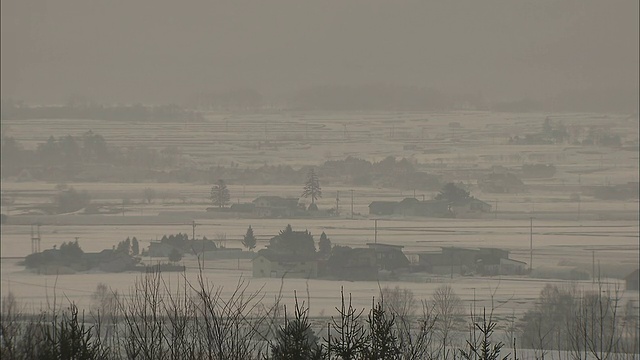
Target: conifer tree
[312,188]
[249,240]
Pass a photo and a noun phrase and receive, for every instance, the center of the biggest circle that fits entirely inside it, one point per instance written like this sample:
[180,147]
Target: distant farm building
[428,208]
[470,208]
[484,261]
[275,206]
[389,257]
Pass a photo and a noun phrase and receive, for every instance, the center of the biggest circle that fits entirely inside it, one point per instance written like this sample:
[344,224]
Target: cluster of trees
[585,324]
[70,254]
[292,242]
[74,157]
[220,195]
[555,132]
[12,110]
[129,246]
[83,158]
[454,194]
[200,323]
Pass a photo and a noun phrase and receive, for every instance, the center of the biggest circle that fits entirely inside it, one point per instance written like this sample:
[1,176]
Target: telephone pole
[338,203]
[375,231]
[35,239]
[193,230]
[530,244]
[351,204]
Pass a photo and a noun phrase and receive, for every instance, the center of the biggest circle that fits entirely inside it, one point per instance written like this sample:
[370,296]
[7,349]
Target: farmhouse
[345,263]
[382,207]
[275,206]
[428,208]
[389,257]
[276,265]
[484,261]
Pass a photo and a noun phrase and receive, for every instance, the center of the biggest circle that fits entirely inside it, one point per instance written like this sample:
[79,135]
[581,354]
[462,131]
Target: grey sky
[166,51]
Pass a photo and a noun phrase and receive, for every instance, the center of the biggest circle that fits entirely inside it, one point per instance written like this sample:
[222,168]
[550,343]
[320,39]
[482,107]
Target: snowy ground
[604,231]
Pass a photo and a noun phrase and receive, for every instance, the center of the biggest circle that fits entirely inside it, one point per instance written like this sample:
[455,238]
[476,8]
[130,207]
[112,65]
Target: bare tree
[220,195]
[447,308]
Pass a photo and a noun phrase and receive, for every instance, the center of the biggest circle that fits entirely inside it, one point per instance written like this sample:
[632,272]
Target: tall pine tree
[324,244]
[249,240]
[312,188]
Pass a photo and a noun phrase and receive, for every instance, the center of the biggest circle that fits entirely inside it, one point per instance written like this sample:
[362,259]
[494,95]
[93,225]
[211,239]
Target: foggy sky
[166,51]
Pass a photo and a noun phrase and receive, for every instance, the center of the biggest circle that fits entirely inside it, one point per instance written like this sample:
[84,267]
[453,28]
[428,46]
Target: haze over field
[569,55]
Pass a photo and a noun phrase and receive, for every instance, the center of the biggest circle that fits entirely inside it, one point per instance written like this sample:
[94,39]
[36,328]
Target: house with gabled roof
[389,257]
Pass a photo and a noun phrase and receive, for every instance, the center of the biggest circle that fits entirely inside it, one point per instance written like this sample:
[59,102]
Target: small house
[382,207]
[275,265]
[389,257]
[428,208]
[485,261]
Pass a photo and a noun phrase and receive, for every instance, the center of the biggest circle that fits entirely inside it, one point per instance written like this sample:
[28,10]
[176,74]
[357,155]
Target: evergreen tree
[249,240]
[220,194]
[293,242]
[312,188]
[324,244]
[135,247]
[124,246]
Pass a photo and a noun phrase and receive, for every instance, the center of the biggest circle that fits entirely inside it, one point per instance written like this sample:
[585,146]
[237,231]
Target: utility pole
[193,229]
[351,204]
[579,208]
[593,266]
[530,244]
[375,231]
[338,203]
[35,239]
[496,210]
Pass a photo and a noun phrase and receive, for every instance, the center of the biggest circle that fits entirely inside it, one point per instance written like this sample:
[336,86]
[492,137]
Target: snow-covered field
[607,230]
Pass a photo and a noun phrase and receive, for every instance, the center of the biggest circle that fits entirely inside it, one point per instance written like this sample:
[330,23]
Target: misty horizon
[566,56]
